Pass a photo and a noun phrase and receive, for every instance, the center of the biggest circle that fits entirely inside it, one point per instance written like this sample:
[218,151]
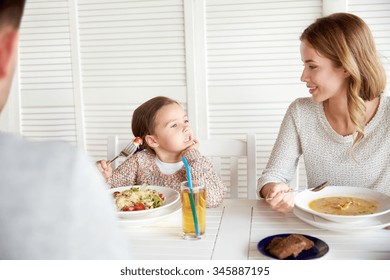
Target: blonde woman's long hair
[347,41]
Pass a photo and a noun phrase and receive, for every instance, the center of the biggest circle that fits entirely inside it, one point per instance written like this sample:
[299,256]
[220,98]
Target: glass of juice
[199,199]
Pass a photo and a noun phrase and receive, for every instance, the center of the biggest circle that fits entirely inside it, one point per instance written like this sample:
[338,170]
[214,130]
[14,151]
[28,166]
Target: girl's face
[172,133]
[321,77]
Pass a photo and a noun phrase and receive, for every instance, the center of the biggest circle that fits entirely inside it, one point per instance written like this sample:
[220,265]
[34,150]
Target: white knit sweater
[306,131]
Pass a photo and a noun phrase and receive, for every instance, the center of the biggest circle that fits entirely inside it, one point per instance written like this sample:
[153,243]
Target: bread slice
[291,245]
[308,242]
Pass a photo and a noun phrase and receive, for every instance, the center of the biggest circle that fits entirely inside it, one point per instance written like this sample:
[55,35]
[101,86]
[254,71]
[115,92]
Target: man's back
[54,204]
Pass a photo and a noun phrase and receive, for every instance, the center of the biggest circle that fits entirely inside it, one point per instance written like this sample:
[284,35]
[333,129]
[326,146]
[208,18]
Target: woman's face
[322,78]
[172,131]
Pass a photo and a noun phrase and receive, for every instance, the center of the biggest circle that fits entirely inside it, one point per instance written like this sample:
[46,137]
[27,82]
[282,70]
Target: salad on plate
[134,199]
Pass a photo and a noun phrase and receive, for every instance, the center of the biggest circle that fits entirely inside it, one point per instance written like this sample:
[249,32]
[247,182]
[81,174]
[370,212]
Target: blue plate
[319,249]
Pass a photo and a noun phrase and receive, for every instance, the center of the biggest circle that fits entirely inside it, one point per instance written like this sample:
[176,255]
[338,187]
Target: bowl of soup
[343,204]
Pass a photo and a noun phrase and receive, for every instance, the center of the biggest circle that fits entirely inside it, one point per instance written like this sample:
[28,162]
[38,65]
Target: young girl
[167,136]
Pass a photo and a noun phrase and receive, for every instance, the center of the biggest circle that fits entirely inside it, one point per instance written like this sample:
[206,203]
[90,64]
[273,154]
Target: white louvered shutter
[85,65]
[376,14]
[254,67]
[46,72]
[131,51]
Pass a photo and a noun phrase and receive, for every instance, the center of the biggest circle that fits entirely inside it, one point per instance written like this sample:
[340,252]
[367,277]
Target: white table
[234,229]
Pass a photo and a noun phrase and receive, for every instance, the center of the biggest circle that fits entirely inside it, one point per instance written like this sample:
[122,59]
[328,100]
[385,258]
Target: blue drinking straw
[188,170]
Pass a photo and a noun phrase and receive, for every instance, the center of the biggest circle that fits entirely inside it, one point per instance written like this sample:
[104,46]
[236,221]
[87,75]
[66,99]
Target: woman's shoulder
[385,99]
[385,106]
[303,105]
[303,102]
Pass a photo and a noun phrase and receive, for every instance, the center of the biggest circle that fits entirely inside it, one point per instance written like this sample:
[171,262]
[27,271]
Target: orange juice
[199,198]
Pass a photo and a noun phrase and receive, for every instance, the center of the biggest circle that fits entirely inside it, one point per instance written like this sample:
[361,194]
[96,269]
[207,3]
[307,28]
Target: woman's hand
[104,168]
[278,197]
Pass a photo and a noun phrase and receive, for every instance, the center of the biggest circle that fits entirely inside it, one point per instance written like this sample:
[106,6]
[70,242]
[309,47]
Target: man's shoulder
[17,147]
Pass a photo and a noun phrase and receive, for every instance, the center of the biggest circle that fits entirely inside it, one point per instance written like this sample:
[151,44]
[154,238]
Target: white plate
[376,222]
[171,196]
[303,199]
[153,217]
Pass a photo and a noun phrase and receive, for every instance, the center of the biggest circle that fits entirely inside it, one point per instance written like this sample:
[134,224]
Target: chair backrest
[226,154]
[114,146]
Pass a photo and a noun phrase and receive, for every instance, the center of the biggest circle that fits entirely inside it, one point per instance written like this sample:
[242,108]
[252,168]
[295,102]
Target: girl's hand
[104,168]
[278,197]
[194,145]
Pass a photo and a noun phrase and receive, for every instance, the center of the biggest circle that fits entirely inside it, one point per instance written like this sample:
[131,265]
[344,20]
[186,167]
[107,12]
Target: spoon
[313,189]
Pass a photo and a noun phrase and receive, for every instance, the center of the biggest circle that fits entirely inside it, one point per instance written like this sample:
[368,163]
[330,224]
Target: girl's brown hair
[347,41]
[143,122]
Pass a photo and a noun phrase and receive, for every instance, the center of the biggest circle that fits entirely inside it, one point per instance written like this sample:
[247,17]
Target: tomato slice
[139,206]
[137,141]
[127,208]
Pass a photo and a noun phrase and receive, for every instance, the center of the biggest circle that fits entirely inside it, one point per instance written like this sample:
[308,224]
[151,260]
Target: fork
[130,149]
[319,187]
[313,189]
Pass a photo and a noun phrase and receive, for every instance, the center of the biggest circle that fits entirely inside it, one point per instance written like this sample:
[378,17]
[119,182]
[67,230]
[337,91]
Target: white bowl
[303,199]
[171,196]
[374,223]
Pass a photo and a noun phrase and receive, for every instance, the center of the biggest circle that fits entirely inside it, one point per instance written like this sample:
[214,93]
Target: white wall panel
[376,14]
[85,65]
[46,73]
[51,122]
[130,51]
[254,67]
[256,42]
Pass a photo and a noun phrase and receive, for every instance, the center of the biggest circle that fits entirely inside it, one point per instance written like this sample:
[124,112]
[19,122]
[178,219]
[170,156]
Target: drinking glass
[199,198]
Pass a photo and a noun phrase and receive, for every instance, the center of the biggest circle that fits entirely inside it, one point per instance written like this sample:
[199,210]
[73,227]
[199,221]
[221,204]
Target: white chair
[225,155]
[114,147]
[221,150]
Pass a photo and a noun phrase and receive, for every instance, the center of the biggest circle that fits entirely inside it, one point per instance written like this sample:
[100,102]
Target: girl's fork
[129,150]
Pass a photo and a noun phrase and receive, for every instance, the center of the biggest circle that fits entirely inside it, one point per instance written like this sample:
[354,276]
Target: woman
[343,129]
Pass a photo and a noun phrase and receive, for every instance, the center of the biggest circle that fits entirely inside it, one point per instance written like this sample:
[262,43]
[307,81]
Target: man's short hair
[11,12]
